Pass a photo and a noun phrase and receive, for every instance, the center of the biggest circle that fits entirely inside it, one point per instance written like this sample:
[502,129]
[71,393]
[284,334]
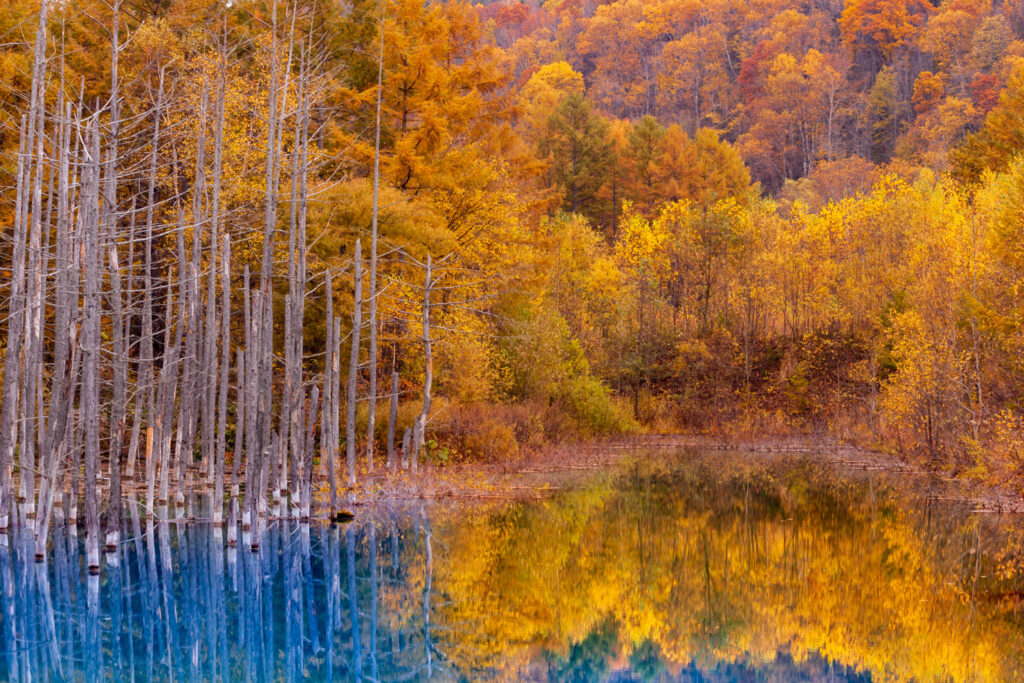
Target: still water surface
[692,566]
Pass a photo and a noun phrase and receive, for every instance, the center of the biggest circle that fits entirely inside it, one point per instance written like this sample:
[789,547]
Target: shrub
[590,404]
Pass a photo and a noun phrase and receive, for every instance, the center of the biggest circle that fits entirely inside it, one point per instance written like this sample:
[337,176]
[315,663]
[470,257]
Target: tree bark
[307,472]
[372,390]
[225,367]
[428,359]
[91,343]
[15,340]
[146,352]
[120,353]
[353,366]
[329,411]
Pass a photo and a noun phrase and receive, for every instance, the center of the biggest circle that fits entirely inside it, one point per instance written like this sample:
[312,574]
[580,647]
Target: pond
[683,565]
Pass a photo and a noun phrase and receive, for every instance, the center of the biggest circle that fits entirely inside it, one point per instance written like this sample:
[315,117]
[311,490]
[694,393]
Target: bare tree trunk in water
[32,135]
[31,429]
[91,344]
[194,395]
[225,368]
[236,454]
[307,472]
[15,330]
[138,387]
[74,288]
[117,409]
[146,353]
[183,339]
[212,442]
[247,387]
[329,411]
[297,292]
[290,400]
[372,391]
[66,356]
[336,412]
[171,368]
[353,367]
[265,314]
[120,363]
[169,379]
[255,459]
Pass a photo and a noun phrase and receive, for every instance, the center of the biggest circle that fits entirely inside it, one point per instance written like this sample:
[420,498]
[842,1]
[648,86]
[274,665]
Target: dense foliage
[674,213]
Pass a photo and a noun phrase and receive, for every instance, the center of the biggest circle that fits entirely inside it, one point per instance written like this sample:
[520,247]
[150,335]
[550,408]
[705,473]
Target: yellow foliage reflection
[724,562]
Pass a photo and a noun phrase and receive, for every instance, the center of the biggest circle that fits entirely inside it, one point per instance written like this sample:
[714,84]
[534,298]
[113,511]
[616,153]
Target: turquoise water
[712,568]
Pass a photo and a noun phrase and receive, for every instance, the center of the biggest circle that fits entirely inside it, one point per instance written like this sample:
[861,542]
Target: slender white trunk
[120,352]
[31,129]
[372,389]
[329,411]
[91,342]
[428,360]
[225,367]
[353,366]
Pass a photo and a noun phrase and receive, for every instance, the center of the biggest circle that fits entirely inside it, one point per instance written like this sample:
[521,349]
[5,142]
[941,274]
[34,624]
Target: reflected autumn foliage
[731,564]
[680,566]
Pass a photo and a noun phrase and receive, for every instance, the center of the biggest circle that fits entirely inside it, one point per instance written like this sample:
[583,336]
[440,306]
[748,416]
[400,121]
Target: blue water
[708,572]
[177,604]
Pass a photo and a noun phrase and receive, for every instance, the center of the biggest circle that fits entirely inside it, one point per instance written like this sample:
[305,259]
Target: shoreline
[542,471]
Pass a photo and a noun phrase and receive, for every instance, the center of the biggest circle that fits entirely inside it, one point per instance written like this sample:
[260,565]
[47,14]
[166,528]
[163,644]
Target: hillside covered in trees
[242,238]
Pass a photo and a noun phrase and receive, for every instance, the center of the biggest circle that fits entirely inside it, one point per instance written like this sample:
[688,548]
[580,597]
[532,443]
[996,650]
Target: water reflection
[177,604]
[725,569]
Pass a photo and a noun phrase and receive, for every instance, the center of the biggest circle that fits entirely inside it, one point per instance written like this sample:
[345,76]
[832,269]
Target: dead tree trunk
[225,367]
[260,433]
[329,411]
[428,360]
[194,397]
[146,372]
[215,471]
[120,352]
[336,411]
[91,343]
[15,329]
[248,384]
[32,350]
[353,367]
[293,400]
[120,363]
[307,464]
[236,454]
[65,357]
[55,448]
[266,310]
[305,452]
[372,390]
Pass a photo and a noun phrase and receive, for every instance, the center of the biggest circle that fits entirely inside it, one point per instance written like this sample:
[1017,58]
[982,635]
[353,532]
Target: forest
[269,246]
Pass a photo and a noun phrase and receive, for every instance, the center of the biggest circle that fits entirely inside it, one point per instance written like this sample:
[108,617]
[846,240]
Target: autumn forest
[491,227]
[268,262]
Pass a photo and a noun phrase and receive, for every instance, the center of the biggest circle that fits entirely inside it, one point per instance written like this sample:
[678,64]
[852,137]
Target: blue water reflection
[177,604]
[717,570]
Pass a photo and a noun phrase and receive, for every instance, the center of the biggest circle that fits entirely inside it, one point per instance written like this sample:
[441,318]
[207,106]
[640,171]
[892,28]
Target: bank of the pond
[537,473]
